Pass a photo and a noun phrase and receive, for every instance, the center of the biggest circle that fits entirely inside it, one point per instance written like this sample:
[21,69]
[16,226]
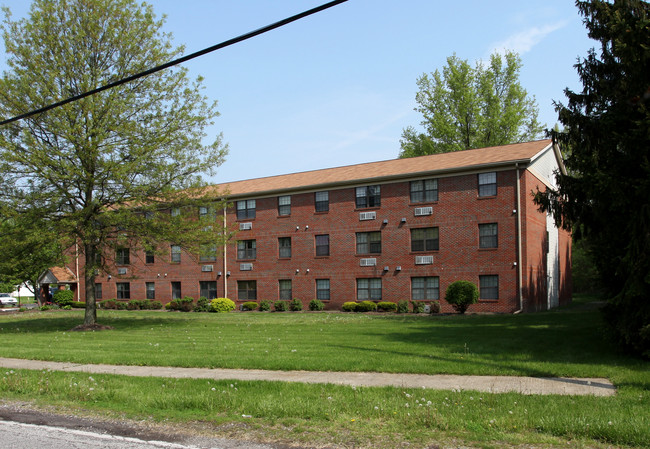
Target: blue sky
[338,87]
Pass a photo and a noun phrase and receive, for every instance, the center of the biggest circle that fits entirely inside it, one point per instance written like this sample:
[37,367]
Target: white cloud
[524,41]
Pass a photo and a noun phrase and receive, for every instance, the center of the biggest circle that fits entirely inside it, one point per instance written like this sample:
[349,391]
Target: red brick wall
[457,214]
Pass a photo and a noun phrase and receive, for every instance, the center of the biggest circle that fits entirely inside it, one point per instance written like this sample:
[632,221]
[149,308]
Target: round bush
[403,306]
[418,306]
[434,307]
[295,305]
[316,304]
[387,306]
[265,306]
[349,306]
[461,294]
[366,306]
[249,305]
[63,298]
[222,305]
[202,305]
[280,306]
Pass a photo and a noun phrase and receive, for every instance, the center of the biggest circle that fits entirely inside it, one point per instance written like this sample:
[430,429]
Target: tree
[467,107]
[29,246]
[605,196]
[461,295]
[105,171]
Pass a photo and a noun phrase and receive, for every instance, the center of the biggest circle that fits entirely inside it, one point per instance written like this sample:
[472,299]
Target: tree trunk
[90,318]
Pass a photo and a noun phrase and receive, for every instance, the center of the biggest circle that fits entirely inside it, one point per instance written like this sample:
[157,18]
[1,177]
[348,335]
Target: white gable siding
[545,166]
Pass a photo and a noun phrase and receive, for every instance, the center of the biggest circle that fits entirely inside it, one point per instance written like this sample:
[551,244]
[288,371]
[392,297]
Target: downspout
[76,260]
[225,257]
[519,249]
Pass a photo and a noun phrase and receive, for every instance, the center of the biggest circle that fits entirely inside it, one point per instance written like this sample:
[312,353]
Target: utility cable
[180,60]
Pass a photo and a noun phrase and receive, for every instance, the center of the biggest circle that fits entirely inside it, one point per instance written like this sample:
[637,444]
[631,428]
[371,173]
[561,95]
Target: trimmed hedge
[63,298]
[249,305]
[366,306]
[387,306]
[349,306]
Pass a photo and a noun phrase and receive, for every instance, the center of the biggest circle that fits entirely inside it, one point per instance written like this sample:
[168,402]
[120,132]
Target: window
[246,249]
[489,287]
[323,289]
[284,244]
[488,235]
[175,212]
[123,290]
[149,257]
[424,191]
[122,256]
[151,290]
[176,290]
[322,201]
[208,252]
[285,289]
[425,288]
[176,254]
[284,205]
[247,290]
[368,289]
[487,184]
[425,239]
[98,290]
[208,289]
[245,209]
[369,242]
[368,196]
[323,245]
[207,213]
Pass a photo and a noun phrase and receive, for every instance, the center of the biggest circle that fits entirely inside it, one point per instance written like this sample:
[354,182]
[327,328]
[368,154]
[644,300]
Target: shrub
[121,305]
[222,305]
[202,305]
[387,306]
[295,305]
[185,304]
[434,307]
[156,305]
[63,298]
[280,306]
[249,305]
[265,306]
[316,304]
[349,306]
[403,306]
[44,307]
[78,305]
[418,306]
[366,306]
[461,294]
[108,304]
[134,304]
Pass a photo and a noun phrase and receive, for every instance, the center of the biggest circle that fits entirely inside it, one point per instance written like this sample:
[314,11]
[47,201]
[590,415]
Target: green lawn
[567,342]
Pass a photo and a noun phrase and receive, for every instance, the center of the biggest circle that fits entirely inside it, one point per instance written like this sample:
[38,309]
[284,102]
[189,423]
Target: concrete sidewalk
[489,384]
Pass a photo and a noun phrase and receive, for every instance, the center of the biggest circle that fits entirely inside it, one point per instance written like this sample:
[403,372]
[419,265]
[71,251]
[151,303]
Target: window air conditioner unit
[121,271]
[246,267]
[368,262]
[207,268]
[420,211]
[245,226]
[367,216]
[423,260]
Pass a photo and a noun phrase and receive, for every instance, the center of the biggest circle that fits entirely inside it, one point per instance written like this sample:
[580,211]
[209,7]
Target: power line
[224,44]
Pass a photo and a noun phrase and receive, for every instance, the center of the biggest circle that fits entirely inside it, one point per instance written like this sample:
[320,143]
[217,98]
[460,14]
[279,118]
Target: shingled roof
[477,159]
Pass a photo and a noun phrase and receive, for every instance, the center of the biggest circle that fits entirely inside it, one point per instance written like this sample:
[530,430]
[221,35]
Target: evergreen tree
[605,196]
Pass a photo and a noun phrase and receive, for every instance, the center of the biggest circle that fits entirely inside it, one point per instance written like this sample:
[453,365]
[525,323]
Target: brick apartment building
[390,230]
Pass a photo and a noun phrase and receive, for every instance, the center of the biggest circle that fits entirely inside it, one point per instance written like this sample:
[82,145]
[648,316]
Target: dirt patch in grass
[91,328]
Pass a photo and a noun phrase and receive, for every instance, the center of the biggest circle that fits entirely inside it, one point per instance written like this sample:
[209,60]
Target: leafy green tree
[461,295]
[472,107]
[605,195]
[29,246]
[105,170]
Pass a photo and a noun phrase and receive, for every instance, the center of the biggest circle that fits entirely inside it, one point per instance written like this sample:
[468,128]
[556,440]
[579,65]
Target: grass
[568,342]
